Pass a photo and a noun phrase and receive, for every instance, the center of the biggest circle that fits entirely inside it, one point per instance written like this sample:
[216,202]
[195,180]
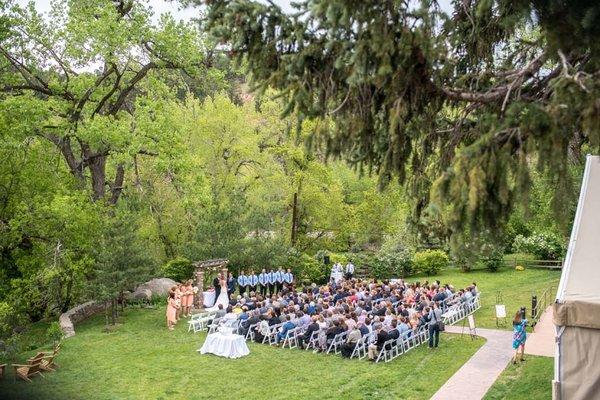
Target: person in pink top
[171,311]
[187,299]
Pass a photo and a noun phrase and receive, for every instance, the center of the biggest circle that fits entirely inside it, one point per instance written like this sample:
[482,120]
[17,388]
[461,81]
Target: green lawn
[529,380]
[142,360]
[516,288]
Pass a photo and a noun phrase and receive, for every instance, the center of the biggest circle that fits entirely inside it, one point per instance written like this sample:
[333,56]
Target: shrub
[430,262]
[178,269]
[54,334]
[494,261]
[545,246]
[392,264]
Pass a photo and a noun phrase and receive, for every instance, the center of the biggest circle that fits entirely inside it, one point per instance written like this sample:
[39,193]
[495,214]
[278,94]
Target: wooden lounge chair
[48,363]
[2,367]
[26,371]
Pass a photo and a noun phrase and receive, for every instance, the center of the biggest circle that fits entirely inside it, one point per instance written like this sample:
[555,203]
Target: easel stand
[472,328]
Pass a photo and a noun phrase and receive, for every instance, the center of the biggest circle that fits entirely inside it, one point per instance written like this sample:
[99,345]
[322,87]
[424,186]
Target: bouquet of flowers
[195,289]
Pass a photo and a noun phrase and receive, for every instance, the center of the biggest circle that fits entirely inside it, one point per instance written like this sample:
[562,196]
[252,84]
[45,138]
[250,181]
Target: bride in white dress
[223,297]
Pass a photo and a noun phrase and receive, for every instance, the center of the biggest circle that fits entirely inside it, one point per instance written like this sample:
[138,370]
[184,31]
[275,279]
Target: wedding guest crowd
[386,309]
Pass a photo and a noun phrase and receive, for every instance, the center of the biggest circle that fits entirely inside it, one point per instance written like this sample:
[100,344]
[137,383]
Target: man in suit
[253,281]
[217,284]
[288,278]
[262,282]
[230,285]
[271,282]
[376,347]
[278,277]
[242,282]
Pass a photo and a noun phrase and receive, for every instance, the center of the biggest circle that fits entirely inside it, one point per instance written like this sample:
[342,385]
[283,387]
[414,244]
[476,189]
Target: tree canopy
[461,107]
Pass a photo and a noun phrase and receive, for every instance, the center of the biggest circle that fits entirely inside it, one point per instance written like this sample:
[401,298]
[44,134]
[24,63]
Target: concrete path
[478,374]
[541,341]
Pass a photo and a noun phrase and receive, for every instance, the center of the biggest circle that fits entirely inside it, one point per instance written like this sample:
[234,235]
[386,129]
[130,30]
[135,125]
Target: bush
[494,261]
[392,264]
[178,269]
[545,246]
[430,262]
[54,334]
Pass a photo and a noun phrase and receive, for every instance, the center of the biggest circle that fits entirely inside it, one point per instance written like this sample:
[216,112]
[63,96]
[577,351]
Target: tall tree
[81,68]
[457,106]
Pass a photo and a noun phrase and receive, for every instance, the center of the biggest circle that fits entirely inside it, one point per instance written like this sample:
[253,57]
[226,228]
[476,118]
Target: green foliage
[54,334]
[430,261]
[493,261]
[392,264]
[310,270]
[179,269]
[546,246]
[7,314]
[464,116]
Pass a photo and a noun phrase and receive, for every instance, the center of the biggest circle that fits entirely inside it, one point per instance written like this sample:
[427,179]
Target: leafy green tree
[72,79]
[456,106]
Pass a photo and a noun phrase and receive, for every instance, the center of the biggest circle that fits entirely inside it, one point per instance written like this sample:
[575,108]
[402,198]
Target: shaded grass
[529,380]
[516,288]
[142,360]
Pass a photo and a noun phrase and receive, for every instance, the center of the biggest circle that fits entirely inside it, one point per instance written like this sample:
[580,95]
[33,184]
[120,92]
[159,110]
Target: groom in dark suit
[217,285]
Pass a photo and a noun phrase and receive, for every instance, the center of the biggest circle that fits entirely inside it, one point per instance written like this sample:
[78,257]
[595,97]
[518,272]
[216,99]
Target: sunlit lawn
[142,360]
[530,380]
[516,288]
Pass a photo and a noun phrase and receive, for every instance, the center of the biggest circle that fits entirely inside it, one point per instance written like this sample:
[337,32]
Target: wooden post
[199,300]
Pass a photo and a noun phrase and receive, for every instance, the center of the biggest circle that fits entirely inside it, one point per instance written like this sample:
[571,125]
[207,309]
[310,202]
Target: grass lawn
[516,288]
[142,360]
[529,380]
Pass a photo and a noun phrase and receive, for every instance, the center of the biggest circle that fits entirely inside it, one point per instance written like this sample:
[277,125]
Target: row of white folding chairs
[199,322]
[407,341]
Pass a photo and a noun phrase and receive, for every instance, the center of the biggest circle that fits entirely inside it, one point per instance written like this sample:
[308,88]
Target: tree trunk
[117,186]
[97,164]
[294,237]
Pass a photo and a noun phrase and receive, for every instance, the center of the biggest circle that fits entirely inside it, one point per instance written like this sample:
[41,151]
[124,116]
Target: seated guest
[262,329]
[312,327]
[403,327]
[336,329]
[394,332]
[285,328]
[375,348]
[254,318]
[363,328]
[353,337]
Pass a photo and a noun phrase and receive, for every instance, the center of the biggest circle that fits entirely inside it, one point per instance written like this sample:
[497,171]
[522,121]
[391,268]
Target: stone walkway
[478,374]
[541,341]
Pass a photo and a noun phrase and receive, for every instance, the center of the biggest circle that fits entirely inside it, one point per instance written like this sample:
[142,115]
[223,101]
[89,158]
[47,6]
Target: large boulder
[140,294]
[157,286]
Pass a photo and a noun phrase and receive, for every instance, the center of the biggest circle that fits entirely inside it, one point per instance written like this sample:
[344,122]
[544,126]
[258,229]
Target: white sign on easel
[500,313]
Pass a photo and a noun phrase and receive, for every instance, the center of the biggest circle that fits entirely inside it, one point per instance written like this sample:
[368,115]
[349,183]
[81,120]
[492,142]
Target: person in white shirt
[349,270]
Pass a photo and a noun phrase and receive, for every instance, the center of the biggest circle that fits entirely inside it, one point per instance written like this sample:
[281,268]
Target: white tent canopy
[577,307]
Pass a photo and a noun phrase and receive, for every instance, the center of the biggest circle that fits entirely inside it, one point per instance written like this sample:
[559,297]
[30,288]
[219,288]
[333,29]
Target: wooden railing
[545,299]
[549,264]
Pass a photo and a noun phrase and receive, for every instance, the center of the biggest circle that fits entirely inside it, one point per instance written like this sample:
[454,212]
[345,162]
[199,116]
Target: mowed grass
[516,288]
[529,380]
[142,360]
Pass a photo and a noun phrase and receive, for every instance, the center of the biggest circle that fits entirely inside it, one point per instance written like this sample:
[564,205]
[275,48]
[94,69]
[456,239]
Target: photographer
[519,334]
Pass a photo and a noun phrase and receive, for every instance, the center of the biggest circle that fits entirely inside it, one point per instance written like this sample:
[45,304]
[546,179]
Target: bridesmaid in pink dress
[190,302]
[178,296]
[186,298]
[171,311]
